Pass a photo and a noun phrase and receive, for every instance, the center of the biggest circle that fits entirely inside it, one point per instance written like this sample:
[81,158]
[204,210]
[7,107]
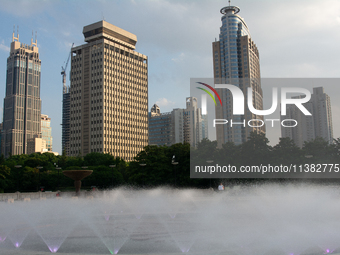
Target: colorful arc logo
[208,92]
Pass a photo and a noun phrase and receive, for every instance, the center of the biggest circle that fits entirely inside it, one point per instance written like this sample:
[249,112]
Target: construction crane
[63,72]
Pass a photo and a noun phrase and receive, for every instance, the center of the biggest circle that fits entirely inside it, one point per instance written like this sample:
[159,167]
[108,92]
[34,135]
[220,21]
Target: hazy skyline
[296,39]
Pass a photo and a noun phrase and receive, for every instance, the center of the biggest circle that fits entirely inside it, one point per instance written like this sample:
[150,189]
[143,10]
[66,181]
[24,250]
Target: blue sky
[295,39]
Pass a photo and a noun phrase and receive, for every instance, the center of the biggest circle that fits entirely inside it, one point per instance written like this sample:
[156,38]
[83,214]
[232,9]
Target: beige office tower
[22,104]
[236,61]
[109,93]
[307,128]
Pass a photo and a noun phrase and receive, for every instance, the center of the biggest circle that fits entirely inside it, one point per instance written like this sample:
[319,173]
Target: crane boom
[63,72]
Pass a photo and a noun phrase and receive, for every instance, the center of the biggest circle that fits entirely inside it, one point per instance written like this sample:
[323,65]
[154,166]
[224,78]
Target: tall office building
[236,61]
[108,93]
[22,104]
[310,127]
[46,131]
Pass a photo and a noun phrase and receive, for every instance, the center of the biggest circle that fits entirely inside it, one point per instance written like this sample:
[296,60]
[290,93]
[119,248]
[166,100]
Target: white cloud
[179,58]
[3,46]
[163,102]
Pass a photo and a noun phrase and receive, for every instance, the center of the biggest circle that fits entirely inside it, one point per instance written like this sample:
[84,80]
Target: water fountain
[77,176]
[265,220]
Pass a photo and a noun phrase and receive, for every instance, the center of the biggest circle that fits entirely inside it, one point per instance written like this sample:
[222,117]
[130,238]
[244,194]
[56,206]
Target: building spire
[229,2]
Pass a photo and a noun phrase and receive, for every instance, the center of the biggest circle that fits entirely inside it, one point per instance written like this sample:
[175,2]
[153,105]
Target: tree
[5,172]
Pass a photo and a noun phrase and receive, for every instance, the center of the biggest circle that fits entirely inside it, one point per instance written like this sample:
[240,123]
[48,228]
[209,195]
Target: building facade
[178,126]
[165,128]
[193,122]
[65,132]
[22,104]
[36,145]
[108,93]
[0,138]
[46,131]
[319,124]
[236,61]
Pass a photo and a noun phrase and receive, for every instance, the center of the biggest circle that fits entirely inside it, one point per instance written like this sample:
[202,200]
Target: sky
[295,38]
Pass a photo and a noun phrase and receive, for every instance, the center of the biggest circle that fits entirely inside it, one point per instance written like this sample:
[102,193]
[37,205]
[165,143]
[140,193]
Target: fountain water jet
[271,219]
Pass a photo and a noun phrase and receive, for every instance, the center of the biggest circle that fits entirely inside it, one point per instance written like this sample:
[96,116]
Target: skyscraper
[310,127]
[194,123]
[46,131]
[22,104]
[236,61]
[108,93]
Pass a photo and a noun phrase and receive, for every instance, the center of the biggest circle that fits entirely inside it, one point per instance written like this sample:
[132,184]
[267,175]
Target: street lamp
[174,164]
[209,161]
[142,165]
[112,166]
[39,167]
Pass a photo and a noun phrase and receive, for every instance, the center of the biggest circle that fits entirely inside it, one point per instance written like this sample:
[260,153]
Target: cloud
[179,58]
[163,102]
[3,46]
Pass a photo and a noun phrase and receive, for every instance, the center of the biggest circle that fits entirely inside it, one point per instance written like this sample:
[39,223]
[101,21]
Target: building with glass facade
[236,61]
[22,104]
[46,131]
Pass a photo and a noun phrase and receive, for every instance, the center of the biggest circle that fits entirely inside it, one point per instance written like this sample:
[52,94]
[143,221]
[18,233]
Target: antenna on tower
[13,36]
[229,2]
[32,41]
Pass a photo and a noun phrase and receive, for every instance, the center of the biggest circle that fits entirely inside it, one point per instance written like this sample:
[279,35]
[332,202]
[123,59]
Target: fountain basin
[77,176]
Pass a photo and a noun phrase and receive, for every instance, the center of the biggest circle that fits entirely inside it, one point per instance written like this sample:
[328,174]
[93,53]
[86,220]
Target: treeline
[257,151]
[151,167]
[156,165]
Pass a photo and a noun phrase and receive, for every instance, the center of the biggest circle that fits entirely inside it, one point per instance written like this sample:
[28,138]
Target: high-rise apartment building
[236,61]
[165,128]
[193,122]
[178,126]
[319,124]
[22,104]
[46,131]
[108,93]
